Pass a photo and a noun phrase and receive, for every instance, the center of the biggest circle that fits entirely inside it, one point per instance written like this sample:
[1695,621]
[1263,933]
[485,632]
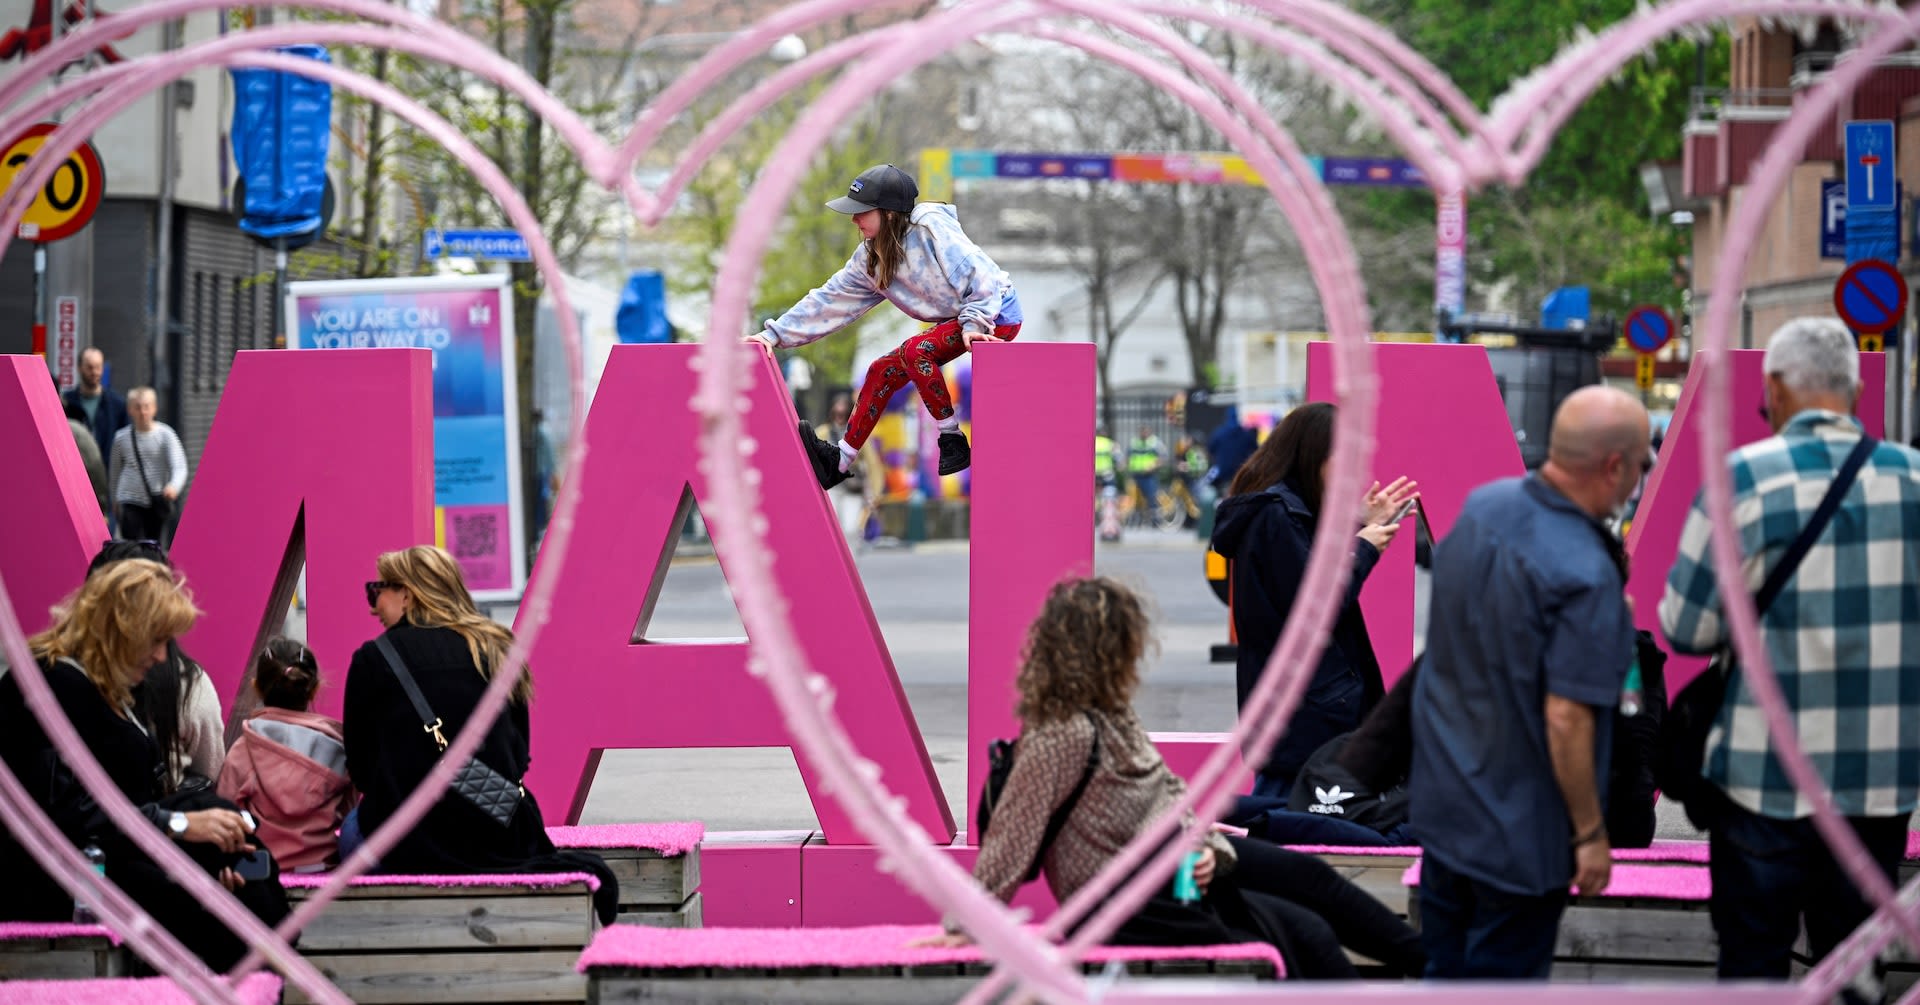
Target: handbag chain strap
[428,721]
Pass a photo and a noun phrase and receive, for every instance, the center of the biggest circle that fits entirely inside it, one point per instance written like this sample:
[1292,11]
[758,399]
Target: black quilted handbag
[488,790]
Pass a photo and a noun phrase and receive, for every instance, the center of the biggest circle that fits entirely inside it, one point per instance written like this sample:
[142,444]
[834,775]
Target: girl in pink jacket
[289,766]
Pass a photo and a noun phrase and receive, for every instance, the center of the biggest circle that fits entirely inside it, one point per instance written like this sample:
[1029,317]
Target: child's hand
[765,344]
[971,337]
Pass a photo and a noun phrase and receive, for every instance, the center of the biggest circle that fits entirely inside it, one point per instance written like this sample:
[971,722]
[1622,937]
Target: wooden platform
[413,944]
[656,890]
[902,985]
[65,957]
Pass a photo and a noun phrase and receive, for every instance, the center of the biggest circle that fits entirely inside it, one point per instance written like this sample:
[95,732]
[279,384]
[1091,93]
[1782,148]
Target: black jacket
[1267,536]
[108,417]
[135,764]
[389,753]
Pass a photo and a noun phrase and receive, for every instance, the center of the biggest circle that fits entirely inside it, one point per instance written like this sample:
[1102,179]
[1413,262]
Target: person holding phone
[103,640]
[1265,530]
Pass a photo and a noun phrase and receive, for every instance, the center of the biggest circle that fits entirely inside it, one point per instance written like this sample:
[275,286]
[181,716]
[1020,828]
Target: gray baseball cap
[880,187]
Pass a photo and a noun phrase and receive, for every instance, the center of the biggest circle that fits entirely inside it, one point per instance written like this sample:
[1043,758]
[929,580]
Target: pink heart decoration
[1415,104]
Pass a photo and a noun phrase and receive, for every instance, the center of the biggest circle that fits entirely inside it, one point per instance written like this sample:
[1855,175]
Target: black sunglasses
[374,588]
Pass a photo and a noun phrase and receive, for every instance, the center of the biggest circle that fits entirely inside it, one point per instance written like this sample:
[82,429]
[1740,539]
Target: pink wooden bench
[36,950]
[259,989]
[840,966]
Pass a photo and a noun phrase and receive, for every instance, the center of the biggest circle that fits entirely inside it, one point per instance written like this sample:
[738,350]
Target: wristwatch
[177,825]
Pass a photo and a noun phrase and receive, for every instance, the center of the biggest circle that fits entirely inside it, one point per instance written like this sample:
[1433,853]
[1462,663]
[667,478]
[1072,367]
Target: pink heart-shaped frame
[1413,109]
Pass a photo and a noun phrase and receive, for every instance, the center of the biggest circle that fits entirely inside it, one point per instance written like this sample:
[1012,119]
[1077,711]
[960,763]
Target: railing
[1711,104]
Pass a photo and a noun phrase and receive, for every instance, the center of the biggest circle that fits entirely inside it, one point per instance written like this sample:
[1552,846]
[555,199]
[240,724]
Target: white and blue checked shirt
[1843,635]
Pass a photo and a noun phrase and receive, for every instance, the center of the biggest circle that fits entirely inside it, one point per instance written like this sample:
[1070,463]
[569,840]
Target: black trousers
[1771,874]
[1294,902]
[142,523]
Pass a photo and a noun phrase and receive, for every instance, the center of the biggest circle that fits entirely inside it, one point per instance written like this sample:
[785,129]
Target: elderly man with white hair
[1843,633]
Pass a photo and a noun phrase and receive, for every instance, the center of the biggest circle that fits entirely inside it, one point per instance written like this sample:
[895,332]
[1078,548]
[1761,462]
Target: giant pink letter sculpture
[1032,516]
[619,693]
[53,525]
[1442,423]
[1675,481]
[321,455]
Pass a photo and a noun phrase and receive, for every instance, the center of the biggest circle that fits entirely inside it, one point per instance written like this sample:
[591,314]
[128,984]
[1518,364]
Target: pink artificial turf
[55,930]
[1661,882]
[316,880]
[257,989]
[871,946]
[669,839]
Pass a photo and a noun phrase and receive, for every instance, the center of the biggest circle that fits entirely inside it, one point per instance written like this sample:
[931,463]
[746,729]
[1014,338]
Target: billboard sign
[467,321]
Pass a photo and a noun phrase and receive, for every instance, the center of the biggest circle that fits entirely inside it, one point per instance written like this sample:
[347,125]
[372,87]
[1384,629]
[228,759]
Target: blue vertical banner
[1873,202]
[281,126]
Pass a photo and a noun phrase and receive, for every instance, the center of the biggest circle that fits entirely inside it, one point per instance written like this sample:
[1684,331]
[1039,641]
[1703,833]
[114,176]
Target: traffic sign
[1643,371]
[494,245]
[1870,165]
[1648,329]
[1871,297]
[67,201]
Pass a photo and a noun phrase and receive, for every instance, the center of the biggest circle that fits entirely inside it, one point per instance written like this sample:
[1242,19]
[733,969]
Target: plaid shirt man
[1844,634]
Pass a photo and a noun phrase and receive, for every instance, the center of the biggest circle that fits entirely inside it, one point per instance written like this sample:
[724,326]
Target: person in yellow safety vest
[1143,464]
[1103,466]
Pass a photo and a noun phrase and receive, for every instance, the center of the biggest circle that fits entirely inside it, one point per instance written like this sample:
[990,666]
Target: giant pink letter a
[618,693]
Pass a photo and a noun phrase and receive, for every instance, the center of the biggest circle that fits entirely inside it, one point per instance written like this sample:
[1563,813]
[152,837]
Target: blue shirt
[1527,602]
[1843,635]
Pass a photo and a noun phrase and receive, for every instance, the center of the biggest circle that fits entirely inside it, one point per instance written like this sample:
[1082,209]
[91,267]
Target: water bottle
[1185,890]
[1630,692]
[83,913]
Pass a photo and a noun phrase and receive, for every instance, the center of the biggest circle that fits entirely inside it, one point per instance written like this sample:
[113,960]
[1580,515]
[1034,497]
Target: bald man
[1527,649]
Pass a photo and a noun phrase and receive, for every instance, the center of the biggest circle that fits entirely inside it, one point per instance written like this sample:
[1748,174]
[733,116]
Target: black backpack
[1325,788]
[1000,755]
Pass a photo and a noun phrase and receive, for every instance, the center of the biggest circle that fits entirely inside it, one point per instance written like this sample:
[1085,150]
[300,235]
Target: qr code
[474,536]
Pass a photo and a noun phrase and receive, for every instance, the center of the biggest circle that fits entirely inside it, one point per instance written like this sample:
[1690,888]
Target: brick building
[1772,70]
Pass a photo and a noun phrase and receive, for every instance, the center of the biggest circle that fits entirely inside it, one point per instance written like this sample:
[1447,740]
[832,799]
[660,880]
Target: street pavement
[919,597]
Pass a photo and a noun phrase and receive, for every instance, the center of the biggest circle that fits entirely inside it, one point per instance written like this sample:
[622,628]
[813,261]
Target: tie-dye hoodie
[942,276]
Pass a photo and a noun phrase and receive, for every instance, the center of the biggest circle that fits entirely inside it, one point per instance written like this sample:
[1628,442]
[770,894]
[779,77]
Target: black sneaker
[955,454]
[825,457]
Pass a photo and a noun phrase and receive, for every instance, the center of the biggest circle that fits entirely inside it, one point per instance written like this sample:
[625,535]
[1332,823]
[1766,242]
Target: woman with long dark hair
[1265,530]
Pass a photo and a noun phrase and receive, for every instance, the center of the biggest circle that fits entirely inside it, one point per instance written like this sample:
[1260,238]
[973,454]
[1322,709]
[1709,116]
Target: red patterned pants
[917,362]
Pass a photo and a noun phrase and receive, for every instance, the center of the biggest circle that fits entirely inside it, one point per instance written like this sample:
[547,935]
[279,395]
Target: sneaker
[825,457]
[955,454]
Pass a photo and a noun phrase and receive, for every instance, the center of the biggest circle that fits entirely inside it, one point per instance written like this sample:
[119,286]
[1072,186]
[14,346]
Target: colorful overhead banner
[468,323]
[940,167]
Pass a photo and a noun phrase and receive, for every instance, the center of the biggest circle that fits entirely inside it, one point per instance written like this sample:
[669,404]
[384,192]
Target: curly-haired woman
[1077,679]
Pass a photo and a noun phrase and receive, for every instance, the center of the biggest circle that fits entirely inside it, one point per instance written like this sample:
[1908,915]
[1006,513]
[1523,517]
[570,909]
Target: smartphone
[254,865]
[1405,508]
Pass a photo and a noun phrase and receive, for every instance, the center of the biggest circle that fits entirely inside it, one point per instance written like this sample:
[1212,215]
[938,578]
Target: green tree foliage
[1581,218]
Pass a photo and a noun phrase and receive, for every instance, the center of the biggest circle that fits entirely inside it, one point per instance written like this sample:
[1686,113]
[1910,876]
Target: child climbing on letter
[918,258]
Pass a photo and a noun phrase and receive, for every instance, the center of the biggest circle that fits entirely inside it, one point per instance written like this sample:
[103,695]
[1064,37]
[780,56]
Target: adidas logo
[1327,801]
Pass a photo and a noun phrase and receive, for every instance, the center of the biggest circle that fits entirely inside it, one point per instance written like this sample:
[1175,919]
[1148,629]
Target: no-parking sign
[1648,329]
[1871,297]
